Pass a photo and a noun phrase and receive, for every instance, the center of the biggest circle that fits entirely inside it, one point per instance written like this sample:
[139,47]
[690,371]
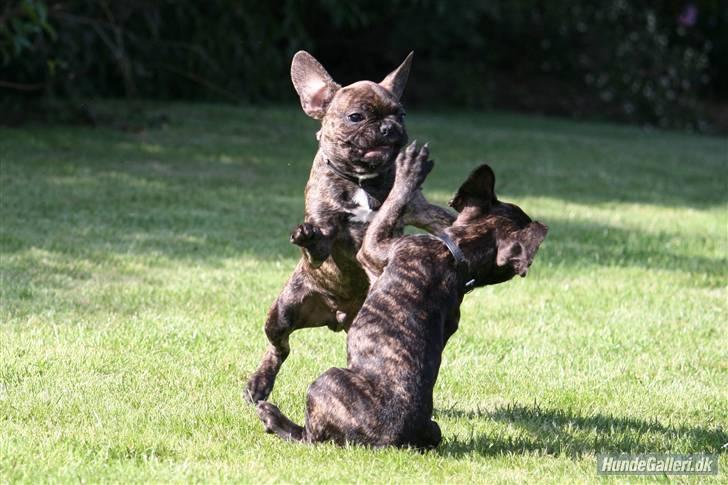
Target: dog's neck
[357,179]
[462,265]
[469,255]
[376,184]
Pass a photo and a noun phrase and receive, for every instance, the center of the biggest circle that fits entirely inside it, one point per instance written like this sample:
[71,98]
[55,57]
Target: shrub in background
[646,62]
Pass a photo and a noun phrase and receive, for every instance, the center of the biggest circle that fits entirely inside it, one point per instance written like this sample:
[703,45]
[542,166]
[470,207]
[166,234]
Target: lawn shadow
[227,193]
[581,163]
[564,432]
[163,219]
[580,243]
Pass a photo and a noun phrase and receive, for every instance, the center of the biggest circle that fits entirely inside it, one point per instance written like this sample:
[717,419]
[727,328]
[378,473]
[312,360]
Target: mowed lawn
[137,269]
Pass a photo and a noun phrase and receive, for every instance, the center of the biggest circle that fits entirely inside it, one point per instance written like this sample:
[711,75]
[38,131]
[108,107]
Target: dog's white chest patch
[362,212]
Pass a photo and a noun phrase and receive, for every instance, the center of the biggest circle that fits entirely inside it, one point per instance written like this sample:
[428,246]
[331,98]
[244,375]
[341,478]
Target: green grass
[137,269]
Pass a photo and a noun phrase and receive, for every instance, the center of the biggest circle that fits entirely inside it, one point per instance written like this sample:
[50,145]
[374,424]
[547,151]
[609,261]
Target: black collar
[462,267]
[348,176]
[362,182]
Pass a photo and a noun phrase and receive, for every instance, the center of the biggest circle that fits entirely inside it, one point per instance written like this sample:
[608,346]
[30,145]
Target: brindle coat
[395,344]
[362,130]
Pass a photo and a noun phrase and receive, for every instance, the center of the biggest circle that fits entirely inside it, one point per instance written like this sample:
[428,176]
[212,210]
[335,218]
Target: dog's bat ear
[313,84]
[513,253]
[519,250]
[396,80]
[532,237]
[478,190]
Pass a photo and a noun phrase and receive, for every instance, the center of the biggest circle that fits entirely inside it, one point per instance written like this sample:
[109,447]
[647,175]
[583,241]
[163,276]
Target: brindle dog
[362,130]
[395,344]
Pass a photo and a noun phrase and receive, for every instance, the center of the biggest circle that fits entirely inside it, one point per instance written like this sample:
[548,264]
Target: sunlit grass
[137,269]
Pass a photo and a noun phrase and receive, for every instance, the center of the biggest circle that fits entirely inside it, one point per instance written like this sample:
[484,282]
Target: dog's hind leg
[275,422]
[298,306]
[430,436]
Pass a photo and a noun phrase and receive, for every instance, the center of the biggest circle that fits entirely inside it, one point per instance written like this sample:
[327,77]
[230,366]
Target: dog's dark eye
[355,117]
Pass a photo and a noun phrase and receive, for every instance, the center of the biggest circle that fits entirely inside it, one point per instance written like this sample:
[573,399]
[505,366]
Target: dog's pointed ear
[478,190]
[396,80]
[313,84]
[519,251]
[532,237]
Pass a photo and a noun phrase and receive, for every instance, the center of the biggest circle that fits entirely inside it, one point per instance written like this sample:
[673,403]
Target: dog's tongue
[377,152]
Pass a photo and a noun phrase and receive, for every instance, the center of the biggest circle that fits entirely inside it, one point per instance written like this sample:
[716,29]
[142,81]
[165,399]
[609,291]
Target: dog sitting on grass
[395,343]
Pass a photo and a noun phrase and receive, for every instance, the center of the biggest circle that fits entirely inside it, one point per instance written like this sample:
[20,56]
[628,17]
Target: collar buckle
[470,286]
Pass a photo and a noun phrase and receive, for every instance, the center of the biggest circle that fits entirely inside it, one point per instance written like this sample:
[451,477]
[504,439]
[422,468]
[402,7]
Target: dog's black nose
[386,128]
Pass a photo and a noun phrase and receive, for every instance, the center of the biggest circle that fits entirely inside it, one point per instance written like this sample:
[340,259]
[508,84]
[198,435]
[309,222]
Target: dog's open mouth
[378,153]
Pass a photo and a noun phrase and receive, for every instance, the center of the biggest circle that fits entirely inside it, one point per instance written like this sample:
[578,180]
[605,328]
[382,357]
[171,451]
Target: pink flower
[689,16]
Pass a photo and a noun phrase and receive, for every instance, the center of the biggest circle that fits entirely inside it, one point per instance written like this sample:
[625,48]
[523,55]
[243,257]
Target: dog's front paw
[316,245]
[413,165]
[305,235]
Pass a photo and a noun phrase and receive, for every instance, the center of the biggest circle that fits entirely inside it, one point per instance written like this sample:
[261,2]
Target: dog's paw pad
[304,235]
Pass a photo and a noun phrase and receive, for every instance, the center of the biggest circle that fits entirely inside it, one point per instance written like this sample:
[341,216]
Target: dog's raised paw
[413,164]
[305,235]
[422,165]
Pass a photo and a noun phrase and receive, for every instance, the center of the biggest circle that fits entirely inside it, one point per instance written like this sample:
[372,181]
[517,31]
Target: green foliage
[638,60]
[21,27]
[642,62]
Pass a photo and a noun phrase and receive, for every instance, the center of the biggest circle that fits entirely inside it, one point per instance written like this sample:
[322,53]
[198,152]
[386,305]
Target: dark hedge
[663,63]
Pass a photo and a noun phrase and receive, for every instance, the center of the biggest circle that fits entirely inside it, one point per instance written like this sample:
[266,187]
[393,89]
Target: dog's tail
[275,422]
